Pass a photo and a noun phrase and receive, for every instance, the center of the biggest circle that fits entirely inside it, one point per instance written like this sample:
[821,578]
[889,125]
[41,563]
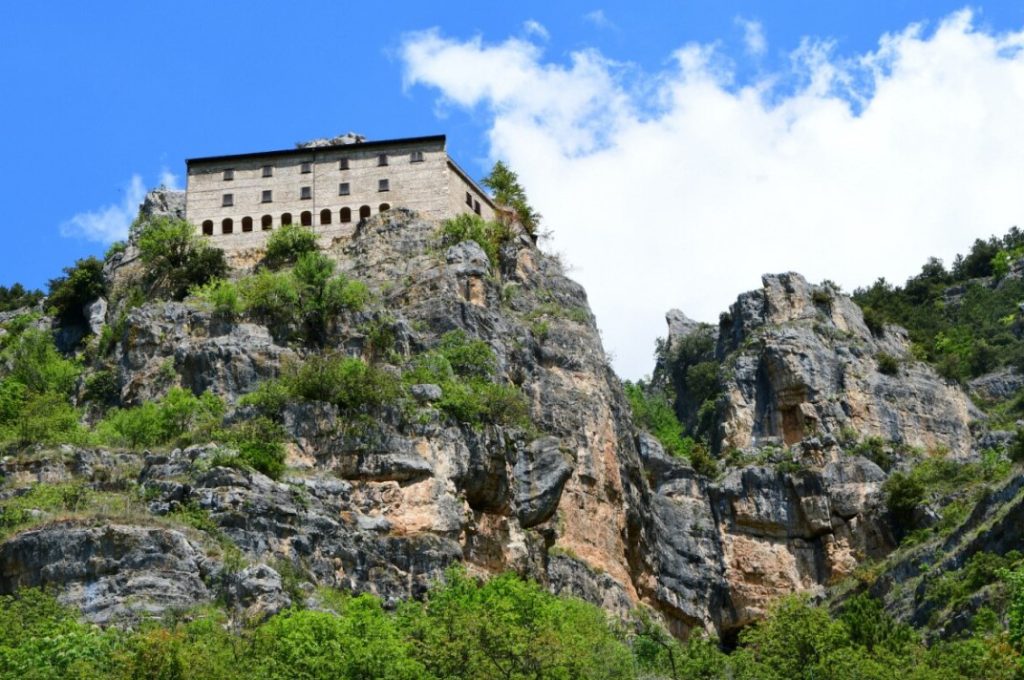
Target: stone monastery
[329,185]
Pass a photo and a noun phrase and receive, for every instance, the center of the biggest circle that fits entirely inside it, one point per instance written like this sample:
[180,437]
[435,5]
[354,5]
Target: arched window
[346,215]
[384,207]
[227,226]
[246,224]
[364,212]
[267,222]
[325,216]
[208,227]
[306,218]
[286,219]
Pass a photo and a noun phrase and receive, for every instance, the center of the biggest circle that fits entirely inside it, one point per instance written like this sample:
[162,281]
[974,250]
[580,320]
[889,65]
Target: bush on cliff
[17,297]
[176,258]
[287,244]
[80,285]
[490,236]
[180,417]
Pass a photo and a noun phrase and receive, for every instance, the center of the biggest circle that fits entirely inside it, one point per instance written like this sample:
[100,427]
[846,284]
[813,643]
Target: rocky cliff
[577,498]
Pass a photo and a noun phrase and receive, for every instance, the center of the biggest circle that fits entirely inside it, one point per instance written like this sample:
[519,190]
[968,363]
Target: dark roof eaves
[289,152]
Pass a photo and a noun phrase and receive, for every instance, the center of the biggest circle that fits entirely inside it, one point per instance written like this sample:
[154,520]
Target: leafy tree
[287,244]
[80,285]
[177,259]
[508,192]
[17,297]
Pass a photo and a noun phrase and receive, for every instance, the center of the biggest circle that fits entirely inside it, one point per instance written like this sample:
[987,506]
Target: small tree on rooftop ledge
[508,192]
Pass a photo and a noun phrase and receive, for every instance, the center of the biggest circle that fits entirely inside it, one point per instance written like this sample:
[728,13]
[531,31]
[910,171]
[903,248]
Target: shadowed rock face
[580,501]
[799,361]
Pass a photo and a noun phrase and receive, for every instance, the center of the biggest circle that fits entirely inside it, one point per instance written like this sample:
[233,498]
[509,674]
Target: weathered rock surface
[799,360]
[109,572]
[385,501]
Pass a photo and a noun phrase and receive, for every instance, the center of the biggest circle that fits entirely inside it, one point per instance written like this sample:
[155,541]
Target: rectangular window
[476,207]
[343,164]
[343,189]
[228,201]
[469,199]
[382,185]
[306,192]
[382,159]
[268,170]
[307,168]
[416,157]
[268,196]
[229,174]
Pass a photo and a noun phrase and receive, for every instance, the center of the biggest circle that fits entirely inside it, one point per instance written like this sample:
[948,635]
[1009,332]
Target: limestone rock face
[164,202]
[385,501]
[109,572]
[724,550]
[799,361]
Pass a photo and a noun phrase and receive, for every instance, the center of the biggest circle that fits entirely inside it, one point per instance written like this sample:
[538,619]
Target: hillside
[413,437]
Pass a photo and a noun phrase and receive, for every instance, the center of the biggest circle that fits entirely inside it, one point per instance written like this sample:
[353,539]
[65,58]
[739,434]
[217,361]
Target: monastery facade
[237,200]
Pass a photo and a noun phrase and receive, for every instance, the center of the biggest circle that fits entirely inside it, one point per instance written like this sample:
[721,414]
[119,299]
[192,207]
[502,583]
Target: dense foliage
[501,628]
[176,258]
[80,285]
[287,244]
[302,302]
[17,297]
[965,320]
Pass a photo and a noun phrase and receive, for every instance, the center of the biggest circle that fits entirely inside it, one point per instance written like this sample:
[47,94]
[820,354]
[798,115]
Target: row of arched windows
[227,225]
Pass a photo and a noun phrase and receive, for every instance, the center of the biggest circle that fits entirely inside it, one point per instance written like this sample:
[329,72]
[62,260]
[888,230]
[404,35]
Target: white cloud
[753,36]
[681,189]
[599,19]
[110,223]
[534,27]
[169,180]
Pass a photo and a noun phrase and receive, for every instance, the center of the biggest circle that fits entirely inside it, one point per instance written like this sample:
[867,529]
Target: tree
[508,192]
[177,258]
[80,285]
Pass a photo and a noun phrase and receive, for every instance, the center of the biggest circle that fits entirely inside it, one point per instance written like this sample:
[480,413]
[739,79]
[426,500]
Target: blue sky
[97,93]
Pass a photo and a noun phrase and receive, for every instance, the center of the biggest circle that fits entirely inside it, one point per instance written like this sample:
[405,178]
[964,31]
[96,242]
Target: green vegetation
[304,301]
[34,395]
[80,285]
[176,258]
[509,193]
[503,628]
[963,323]
[653,412]
[465,371]
[286,245]
[490,236]
[179,418]
[17,297]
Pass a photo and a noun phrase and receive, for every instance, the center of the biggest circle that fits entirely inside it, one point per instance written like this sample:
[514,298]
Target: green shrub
[271,298]
[180,417]
[102,388]
[177,259]
[36,364]
[259,443]
[877,450]
[221,296]
[467,358]
[269,398]
[903,494]
[80,285]
[347,382]
[887,364]
[490,236]
[17,297]
[287,244]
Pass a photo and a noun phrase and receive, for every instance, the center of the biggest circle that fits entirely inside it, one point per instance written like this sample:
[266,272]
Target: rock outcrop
[385,501]
[798,361]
